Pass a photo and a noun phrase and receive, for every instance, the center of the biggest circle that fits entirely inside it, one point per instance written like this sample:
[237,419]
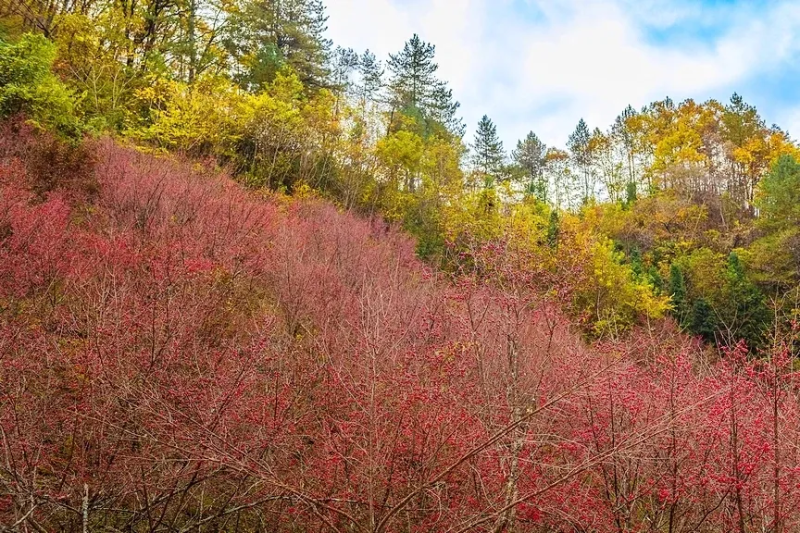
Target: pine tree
[488,155]
[636,263]
[416,92]
[266,35]
[370,72]
[530,157]
[745,314]
[779,202]
[677,287]
[579,146]
[553,229]
[703,321]
[622,134]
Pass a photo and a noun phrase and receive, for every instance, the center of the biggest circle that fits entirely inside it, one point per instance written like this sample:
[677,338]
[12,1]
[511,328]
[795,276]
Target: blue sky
[542,65]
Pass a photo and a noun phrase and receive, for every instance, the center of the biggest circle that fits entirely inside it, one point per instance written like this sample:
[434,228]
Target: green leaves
[28,86]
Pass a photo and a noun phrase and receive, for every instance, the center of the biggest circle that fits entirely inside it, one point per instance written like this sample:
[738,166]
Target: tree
[703,320]
[677,287]
[530,157]
[581,153]
[622,132]
[488,156]
[28,85]
[370,71]
[416,92]
[553,229]
[265,35]
[744,314]
[779,195]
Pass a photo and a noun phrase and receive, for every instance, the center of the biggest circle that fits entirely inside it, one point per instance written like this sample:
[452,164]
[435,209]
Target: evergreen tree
[677,286]
[636,263]
[655,280]
[266,35]
[622,134]
[344,62]
[416,92]
[745,314]
[779,201]
[370,71]
[553,229]
[580,150]
[630,194]
[488,155]
[530,158]
[703,321]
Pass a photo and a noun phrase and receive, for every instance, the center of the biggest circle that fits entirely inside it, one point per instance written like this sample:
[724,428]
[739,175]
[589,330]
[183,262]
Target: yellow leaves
[401,150]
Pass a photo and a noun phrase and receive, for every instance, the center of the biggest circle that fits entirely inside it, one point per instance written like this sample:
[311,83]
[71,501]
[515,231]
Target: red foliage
[177,353]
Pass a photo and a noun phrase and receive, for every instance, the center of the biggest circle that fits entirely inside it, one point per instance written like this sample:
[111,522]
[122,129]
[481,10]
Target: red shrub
[187,355]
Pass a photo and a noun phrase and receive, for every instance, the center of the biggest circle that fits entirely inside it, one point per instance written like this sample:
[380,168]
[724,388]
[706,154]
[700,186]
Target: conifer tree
[530,157]
[265,35]
[416,92]
[553,229]
[677,286]
[488,155]
[580,150]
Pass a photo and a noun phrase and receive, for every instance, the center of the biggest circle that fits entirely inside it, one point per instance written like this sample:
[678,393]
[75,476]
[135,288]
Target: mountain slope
[179,353]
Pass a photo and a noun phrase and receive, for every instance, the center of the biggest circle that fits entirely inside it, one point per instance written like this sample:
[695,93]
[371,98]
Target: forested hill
[687,209]
[250,281]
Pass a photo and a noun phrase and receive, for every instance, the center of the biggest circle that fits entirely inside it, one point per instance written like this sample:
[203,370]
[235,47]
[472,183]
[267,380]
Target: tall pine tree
[580,150]
[488,155]
[530,158]
[416,92]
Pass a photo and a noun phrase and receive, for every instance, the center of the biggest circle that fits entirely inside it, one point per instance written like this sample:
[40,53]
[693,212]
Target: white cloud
[542,65]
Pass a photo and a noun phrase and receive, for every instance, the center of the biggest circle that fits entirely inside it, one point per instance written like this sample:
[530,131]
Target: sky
[542,65]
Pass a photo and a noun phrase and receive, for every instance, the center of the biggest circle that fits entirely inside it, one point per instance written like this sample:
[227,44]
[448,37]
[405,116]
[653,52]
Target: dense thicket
[177,353]
[182,350]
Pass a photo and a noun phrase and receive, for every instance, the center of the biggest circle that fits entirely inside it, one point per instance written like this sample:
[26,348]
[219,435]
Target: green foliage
[488,156]
[779,196]
[530,158]
[677,288]
[743,311]
[553,230]
[703,321]
[28,85]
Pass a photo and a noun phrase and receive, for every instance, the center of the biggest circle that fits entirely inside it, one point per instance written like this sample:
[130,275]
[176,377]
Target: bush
[28,85]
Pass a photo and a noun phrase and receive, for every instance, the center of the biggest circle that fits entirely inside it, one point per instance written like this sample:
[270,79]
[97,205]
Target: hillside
[179,353]
[254,281]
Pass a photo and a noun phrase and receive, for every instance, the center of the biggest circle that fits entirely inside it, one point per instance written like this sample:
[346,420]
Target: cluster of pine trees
[687,209]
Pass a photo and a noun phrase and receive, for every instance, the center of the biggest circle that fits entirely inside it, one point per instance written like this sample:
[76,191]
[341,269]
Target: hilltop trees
[488,156]
[416,92]
[530,159]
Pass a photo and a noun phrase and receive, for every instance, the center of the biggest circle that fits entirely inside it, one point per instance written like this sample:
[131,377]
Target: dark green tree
[416,92]
[581,154]
[553,229]
[779,198]
[744,314]
[530,159]
[488,156]
[370,72]
[266,35]
[677,288]
[655,279]
[636,263]
[703,321]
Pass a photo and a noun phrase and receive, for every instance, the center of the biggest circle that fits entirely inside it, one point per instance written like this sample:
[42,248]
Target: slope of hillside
[177,353]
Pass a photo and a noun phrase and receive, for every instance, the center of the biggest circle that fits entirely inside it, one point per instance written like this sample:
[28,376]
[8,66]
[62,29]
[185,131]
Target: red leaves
[197,355]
